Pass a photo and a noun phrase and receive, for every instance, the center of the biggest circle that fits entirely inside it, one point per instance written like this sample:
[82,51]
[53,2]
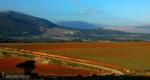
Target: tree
[28,66]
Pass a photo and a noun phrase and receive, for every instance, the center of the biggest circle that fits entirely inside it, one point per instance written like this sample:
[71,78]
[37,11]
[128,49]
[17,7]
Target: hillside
[19,24]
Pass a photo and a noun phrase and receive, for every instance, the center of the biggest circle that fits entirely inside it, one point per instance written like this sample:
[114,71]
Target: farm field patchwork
[134,55]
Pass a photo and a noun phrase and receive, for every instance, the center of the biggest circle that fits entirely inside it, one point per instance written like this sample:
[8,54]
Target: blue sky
[110,12]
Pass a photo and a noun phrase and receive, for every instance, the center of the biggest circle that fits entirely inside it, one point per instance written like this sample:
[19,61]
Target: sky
[108,12]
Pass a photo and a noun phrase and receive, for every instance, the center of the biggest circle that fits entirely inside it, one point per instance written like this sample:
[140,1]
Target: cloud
[90,10]
[87,10]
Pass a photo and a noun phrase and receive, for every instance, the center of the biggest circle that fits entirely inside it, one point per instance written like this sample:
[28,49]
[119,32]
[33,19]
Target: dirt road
[63,58]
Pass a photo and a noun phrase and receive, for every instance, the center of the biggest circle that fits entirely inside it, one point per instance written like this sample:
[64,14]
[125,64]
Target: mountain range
[77,24]
[16,25]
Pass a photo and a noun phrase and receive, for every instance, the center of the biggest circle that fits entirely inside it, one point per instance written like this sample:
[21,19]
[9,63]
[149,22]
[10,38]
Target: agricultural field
[44,69]
[134,55]
[45,64]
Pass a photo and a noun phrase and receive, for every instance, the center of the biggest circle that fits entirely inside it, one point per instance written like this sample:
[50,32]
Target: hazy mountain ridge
[77,24]
[20,25]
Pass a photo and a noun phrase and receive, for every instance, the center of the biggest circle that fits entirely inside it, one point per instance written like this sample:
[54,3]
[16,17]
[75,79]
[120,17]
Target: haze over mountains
[86,25]
[133,29]
[19,25]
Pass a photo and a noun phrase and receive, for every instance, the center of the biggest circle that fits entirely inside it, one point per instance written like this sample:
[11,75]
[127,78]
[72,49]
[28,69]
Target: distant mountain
[77,24]
[20,26]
